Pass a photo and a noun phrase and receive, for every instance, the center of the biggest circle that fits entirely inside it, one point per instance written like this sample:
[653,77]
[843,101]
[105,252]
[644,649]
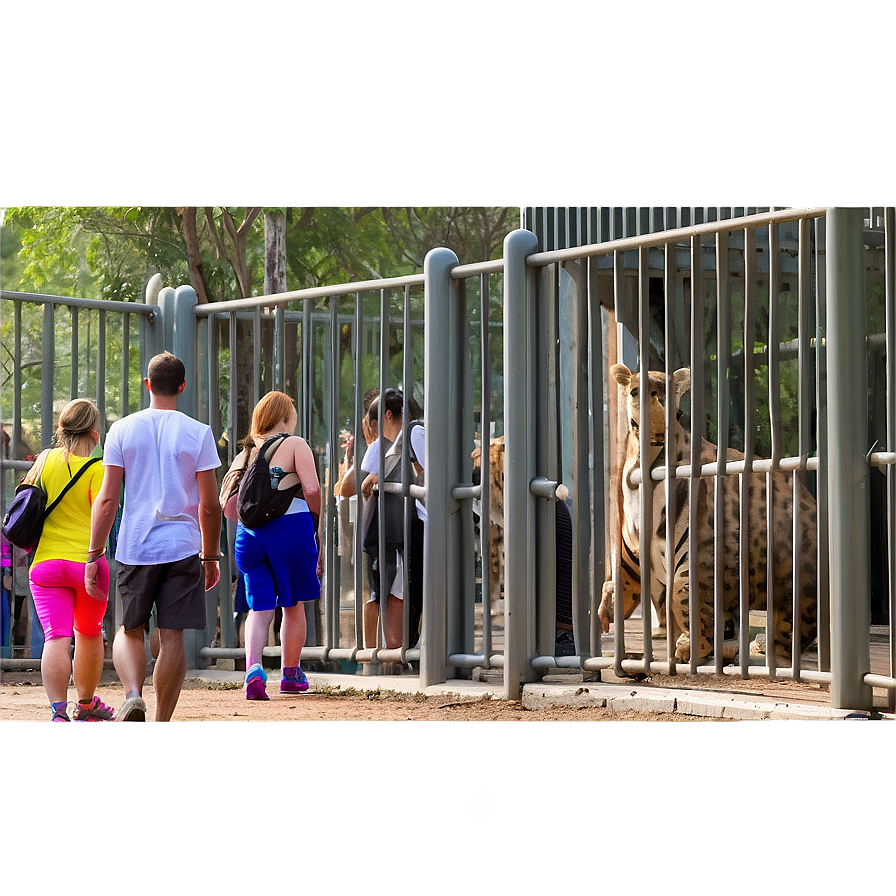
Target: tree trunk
[194,258]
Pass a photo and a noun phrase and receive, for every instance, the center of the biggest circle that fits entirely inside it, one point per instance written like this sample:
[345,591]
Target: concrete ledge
[709,704]
[621,697]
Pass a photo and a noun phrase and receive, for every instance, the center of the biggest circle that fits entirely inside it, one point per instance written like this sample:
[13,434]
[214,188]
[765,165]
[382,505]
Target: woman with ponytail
[63,606]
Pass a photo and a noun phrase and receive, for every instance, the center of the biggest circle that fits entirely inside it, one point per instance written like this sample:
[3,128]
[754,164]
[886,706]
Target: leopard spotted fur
[682,588]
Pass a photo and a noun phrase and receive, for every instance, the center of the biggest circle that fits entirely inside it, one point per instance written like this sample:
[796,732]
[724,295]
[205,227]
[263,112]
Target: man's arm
[102,516]
[209,525]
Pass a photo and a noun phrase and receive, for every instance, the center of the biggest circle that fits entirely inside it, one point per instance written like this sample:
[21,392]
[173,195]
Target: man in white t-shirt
[169,540]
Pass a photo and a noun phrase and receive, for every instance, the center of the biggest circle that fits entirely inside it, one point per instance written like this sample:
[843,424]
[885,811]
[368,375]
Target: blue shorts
[278,562]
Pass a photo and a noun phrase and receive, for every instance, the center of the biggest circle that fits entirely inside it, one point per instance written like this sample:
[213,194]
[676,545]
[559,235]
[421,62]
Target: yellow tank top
[66,533]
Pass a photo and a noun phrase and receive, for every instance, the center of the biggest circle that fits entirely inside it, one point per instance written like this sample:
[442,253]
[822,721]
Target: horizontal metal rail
[665,237]
[312,292]
[732,467]
[95,304]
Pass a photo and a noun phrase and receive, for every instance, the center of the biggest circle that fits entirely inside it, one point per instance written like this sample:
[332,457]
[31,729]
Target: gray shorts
[176,590]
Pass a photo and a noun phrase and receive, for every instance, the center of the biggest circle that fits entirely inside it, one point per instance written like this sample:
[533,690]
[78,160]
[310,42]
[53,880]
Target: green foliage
[111,253]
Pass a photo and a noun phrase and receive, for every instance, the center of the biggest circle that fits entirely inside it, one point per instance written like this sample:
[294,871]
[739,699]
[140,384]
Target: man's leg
[371,623]
[393,624]
[129,659]
[169,672]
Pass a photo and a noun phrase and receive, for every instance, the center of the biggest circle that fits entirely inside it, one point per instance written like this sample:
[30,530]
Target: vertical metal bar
[645,533]
[184,346]
[599,459]
[437,274]
[256,354]
[101,369]
[823,579]
[582,518]
[407,380]
[546,319]
[485,480]
[461,571]
[47,375]
[890,279]
[671,485]
[307,369]
[723,351]
[381,495]
[331,597]
[17,381]
[518,458]
[125,362]
[774,408]
[618,602]
[746,479]
[73,369]
[697,413]
[804,410]
[360,446]
[233,435]
[279,345]
[848,472]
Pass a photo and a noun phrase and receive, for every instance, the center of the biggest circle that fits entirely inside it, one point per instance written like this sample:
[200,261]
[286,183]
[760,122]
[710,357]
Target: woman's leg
[292,635]
[258,625]
[88,622]
[56,668]
[54,603]
[88,666]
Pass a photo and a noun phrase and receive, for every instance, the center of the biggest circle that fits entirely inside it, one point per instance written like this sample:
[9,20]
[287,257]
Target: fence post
[519,461]
[848,470]
[183,332]
[439,408]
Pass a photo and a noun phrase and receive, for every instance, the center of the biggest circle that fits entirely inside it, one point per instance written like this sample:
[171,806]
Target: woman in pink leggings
[57,571]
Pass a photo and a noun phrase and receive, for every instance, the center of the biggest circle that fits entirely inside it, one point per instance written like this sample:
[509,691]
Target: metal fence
[764,310]
[57,348]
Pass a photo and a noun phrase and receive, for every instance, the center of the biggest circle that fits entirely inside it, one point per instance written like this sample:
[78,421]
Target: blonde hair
[76,421]
[274,407]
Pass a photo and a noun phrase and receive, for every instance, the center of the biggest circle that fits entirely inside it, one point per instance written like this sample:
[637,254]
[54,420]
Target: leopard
[495,514]
[781,626]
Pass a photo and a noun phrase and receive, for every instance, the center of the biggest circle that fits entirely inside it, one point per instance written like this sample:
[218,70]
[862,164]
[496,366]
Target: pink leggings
[62,604]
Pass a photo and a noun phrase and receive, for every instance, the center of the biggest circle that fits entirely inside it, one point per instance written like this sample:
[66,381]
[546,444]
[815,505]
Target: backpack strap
[70,484]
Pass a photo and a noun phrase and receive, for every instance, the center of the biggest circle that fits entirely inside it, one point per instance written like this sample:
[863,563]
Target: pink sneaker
[95,711]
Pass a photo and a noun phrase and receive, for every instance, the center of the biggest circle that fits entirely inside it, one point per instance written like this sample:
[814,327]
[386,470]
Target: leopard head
[656,381]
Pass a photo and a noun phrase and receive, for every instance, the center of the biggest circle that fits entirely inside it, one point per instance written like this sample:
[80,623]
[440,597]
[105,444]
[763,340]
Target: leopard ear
[681,380]
[621,374]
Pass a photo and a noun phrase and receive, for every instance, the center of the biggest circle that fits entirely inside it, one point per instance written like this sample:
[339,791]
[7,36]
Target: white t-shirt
[161,452]
[418,443]
[371,460]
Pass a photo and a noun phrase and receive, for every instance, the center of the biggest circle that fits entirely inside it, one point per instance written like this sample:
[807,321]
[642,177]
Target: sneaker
[256,678]
[132,710]
[95,711]
[60,713]
[294,681]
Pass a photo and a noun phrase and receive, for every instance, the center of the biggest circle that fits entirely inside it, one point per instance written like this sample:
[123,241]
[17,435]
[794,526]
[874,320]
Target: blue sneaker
[294,680]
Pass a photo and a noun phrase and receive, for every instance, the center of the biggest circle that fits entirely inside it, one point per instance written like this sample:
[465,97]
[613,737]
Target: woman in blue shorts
[279,561]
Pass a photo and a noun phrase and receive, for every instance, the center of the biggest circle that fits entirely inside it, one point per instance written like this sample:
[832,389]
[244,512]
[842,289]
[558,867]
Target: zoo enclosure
[564,319]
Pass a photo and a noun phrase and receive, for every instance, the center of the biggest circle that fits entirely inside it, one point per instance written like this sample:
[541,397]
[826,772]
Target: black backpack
[257,503]
[24,520]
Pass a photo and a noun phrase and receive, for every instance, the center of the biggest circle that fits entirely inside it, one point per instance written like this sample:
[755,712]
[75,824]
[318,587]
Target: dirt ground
[22,698]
